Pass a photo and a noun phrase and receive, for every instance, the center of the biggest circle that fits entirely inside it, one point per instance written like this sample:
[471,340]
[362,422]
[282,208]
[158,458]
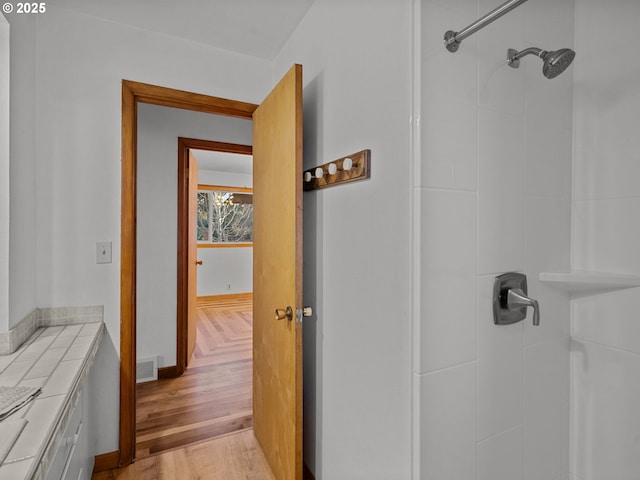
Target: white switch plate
[103,252]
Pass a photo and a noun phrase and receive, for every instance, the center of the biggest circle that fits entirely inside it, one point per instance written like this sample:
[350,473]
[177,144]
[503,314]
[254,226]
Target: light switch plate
[103,252]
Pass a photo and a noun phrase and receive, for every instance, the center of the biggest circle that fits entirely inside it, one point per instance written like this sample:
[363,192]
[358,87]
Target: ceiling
[223,162]
[252,27]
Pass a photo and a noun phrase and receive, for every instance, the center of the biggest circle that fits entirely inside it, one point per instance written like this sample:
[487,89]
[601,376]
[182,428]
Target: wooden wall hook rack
[356,166]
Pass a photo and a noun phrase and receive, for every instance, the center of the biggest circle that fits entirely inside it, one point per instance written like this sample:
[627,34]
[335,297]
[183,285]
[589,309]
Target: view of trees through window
[225,217]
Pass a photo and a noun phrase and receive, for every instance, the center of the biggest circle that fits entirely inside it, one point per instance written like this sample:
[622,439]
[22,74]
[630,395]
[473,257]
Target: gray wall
[357,94]
[493,192]
[225,266]
[4,173]
[70,72]
[605,356]
[158,132]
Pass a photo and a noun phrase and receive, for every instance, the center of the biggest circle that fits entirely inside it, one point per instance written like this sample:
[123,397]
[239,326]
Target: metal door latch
[303,312]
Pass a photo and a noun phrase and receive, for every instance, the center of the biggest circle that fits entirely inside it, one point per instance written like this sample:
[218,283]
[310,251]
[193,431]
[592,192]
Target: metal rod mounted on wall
[453,39]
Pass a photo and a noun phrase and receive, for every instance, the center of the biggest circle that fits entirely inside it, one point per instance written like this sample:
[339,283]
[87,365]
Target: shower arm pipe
[453,39]
[513,56]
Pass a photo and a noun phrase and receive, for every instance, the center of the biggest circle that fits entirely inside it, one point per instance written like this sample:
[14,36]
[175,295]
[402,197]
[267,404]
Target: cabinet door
[64,448]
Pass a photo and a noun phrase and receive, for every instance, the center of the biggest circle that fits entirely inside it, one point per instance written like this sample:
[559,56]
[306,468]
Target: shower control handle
[516,298]
[510,300]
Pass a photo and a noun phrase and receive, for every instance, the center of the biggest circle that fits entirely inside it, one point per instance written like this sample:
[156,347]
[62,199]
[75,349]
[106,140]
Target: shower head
[554,64]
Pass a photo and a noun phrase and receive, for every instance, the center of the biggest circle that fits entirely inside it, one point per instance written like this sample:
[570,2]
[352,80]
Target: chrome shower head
[555,62]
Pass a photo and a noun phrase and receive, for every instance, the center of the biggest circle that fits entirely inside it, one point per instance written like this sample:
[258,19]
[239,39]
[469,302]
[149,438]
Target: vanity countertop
[57,359]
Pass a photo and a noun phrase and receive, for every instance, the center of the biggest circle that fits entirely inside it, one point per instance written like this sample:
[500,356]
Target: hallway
[214,396]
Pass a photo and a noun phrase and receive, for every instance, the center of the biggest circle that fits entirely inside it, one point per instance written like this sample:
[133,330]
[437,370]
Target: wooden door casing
[132,94]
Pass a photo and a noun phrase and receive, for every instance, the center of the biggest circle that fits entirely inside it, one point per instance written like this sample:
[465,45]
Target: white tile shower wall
[500,199]
[448,289]
[501,457]
[604,412]
[448,423]
[606,341]
[494,196]
[449,100]
[500,368]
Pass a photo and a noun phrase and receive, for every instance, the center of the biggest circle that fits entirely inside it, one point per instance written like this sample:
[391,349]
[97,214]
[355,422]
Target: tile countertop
[57,359]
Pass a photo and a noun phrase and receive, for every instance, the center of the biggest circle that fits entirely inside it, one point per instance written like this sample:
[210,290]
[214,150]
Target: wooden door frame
[132,94]
[182,319]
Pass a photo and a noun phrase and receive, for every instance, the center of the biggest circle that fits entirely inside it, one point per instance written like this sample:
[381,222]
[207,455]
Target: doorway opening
[277,265]
[133,94]
[209,393]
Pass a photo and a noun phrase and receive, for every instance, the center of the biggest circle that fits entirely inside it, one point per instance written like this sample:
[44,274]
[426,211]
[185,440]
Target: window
[225,216]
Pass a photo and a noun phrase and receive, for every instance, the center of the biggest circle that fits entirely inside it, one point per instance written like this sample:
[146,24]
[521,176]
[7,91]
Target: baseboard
[306,473]
[224,297]
[168,372]
[106,461]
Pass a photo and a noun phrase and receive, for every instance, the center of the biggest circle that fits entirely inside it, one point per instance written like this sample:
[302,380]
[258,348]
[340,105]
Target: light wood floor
[230,457]
[213,397]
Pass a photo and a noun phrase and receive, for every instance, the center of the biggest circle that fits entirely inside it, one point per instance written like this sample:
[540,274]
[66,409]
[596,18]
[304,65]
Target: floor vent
[146,369]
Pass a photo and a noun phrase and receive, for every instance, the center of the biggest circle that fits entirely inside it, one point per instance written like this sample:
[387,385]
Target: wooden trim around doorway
[106,461]
[132,94]
[226,297]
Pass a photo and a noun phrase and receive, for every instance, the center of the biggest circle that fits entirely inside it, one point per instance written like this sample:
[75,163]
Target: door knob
[199,262]
[510,300]
[282,313]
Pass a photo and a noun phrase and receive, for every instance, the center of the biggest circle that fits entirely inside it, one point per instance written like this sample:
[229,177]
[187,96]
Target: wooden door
[192,314]
[277,276]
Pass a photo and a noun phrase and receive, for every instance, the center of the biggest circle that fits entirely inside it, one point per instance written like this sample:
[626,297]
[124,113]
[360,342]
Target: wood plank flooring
[214,396]
[235,456]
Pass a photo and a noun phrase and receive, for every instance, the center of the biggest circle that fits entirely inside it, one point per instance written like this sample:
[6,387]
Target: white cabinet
[72,459]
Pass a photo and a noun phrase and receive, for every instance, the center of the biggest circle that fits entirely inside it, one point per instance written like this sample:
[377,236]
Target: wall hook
[353,167]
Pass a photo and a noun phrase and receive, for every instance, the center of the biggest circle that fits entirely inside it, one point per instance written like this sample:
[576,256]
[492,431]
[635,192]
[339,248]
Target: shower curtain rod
[453,39]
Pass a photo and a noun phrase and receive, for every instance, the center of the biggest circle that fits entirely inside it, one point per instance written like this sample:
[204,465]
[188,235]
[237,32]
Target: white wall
[225,271]
[80,62]
[4,173]
[606,336]
[233,179]
[158,132]
[22,253]
[357,237]
[492,194]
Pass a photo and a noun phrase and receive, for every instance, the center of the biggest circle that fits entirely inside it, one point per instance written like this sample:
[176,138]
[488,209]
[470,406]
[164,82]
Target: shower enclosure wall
[514,172]
[492,194]
[605,350]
